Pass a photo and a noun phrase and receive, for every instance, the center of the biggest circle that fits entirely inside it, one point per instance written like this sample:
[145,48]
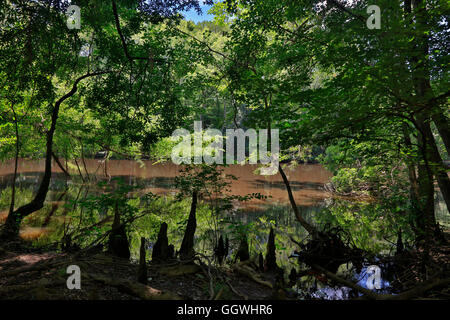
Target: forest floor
[28,273]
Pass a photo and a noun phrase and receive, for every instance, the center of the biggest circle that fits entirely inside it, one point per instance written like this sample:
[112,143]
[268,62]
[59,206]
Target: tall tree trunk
[422,86]
[12,224]
[437,166]
[16,159]
[413,181]
[425,220]
[434,159]
[443,125]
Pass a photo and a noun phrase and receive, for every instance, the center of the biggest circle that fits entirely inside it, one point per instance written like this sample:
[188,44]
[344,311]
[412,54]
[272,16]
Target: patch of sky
[192,15]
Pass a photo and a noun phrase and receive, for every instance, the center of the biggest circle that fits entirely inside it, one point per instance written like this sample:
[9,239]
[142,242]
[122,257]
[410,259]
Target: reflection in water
[306,181]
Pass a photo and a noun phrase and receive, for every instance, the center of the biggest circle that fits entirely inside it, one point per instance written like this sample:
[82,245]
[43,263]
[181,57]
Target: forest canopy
[362,93]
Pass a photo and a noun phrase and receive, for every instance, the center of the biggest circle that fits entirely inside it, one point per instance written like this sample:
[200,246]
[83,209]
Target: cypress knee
[243,252]
[220,250]
[142,271]
[170,251]
[271,262]
[260,262]
[118,241]
[187,246]
[293,277]
[161,247]
[227,247]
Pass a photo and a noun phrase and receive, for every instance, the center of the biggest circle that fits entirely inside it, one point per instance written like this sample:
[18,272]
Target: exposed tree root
[328,250]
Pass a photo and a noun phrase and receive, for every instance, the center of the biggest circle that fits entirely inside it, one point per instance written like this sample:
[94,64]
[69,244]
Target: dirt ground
[29,273]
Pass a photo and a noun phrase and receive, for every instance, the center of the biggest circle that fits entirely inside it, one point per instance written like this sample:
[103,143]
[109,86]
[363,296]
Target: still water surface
[307,182]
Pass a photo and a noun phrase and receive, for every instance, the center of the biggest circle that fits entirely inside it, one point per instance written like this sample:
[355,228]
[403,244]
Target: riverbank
[28,273]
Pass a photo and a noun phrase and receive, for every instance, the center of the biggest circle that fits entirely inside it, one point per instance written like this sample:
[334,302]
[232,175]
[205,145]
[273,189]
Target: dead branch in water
[368,294]
[311,229]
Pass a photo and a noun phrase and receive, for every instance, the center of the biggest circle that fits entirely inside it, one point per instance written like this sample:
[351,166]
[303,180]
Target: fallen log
[181,270]
[138,290]
[246,271]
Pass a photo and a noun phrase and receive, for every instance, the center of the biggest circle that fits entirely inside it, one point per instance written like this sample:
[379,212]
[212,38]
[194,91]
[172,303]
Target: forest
[265,150]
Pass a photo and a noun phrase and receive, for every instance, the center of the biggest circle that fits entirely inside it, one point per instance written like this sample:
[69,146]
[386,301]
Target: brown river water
[306,180]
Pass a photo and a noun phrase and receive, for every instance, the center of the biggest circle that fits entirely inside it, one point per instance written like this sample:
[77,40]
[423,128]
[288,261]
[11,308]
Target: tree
[52,55]
[361,85]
